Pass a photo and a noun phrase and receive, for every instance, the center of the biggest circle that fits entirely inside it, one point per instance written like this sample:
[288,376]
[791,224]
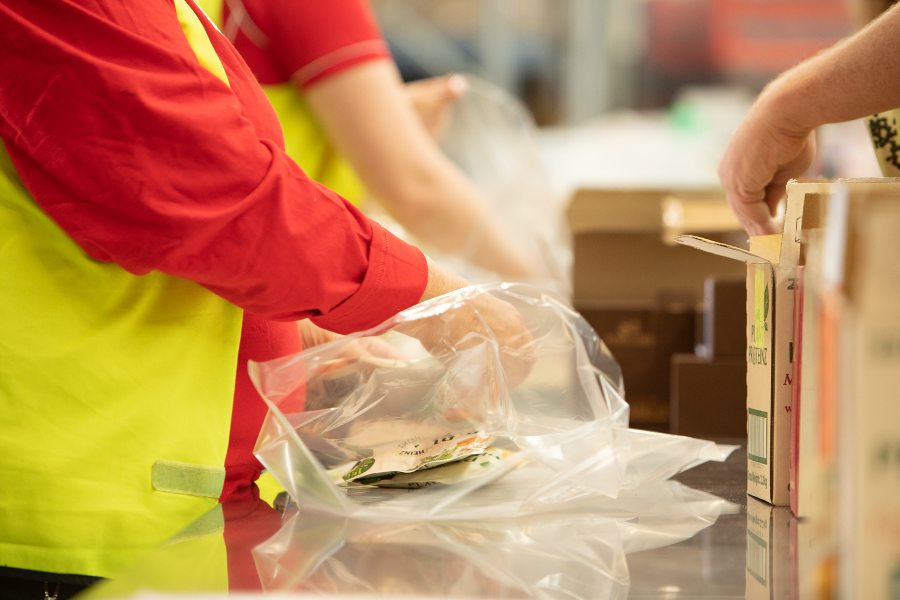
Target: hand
[367,349]
[764,153]
[313,335]
[481,318]
[432,97]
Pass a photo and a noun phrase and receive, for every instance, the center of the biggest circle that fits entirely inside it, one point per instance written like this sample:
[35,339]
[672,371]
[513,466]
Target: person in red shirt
[351,123]
[154,236]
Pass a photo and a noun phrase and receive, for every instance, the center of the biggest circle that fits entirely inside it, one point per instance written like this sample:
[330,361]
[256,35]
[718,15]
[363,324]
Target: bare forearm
[438,204]
[855,78]
[371,121]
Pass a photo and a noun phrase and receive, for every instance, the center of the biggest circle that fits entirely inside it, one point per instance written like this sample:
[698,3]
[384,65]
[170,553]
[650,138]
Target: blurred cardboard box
[637,288]
[643,340]
[708,396]
[771,280]
[624,253]
[724,318]
[861,348]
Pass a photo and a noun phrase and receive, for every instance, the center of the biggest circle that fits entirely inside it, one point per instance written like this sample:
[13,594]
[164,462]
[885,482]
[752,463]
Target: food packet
[457,471]
[425,448]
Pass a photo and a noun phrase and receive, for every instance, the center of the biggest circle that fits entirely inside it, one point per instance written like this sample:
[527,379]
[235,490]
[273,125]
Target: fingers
[515,342]
[313,335]
[431,99]
[754,214]
[480,320]
[456,86]
[444,89]
[761,157]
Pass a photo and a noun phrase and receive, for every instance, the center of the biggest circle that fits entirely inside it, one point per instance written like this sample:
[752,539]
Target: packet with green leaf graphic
[425,449]
[471,467]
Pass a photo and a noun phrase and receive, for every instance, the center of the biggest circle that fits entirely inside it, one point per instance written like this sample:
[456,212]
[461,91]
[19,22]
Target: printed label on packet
[423,450]
[467,468]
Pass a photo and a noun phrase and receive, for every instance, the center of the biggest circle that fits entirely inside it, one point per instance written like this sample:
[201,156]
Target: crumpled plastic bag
[340,411]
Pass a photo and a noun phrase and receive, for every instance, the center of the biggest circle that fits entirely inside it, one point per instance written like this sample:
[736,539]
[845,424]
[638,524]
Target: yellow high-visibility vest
[113,388]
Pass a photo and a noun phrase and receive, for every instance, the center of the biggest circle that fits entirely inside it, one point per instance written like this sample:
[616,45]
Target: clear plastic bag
[492,138]
[344,412]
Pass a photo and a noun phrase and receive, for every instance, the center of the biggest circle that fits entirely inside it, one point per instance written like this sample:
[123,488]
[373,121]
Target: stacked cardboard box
[637,288]
[624,255]
[771,282]
[859,380]
[709,388]
[823,356]
[643,340]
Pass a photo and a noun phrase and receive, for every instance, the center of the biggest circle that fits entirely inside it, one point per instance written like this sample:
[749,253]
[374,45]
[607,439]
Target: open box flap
[721,249]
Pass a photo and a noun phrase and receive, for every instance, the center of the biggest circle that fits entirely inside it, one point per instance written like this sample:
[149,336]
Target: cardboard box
[708,396]
[796,399]
[623,249]
[862,279]
[772,262]
[643,340]
[808,473]
[629,276]
[723,322]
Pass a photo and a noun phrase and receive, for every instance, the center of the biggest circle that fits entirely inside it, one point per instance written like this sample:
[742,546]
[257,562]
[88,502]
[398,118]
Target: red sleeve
[303,40]
[146,159]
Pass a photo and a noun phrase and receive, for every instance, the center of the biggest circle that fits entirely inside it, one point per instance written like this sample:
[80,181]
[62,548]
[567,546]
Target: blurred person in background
[154,237]
[338,94]
[858,77]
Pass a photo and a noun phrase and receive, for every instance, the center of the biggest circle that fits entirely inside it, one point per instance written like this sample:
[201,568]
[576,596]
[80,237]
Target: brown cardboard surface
[807,500]
[761,414]
[643,340]
[613,268]
[869,409]
[621,255]
[724,317]
[682,214]
[708,396]
[630,209]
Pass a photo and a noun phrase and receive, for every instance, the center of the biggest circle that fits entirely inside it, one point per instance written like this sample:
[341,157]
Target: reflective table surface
[685,538]
[712,563]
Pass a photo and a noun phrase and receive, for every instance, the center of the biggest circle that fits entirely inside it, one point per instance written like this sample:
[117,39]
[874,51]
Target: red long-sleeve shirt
[148,160]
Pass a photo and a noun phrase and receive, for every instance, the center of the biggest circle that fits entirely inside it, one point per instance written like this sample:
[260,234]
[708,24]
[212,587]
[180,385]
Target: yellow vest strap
[186,478]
